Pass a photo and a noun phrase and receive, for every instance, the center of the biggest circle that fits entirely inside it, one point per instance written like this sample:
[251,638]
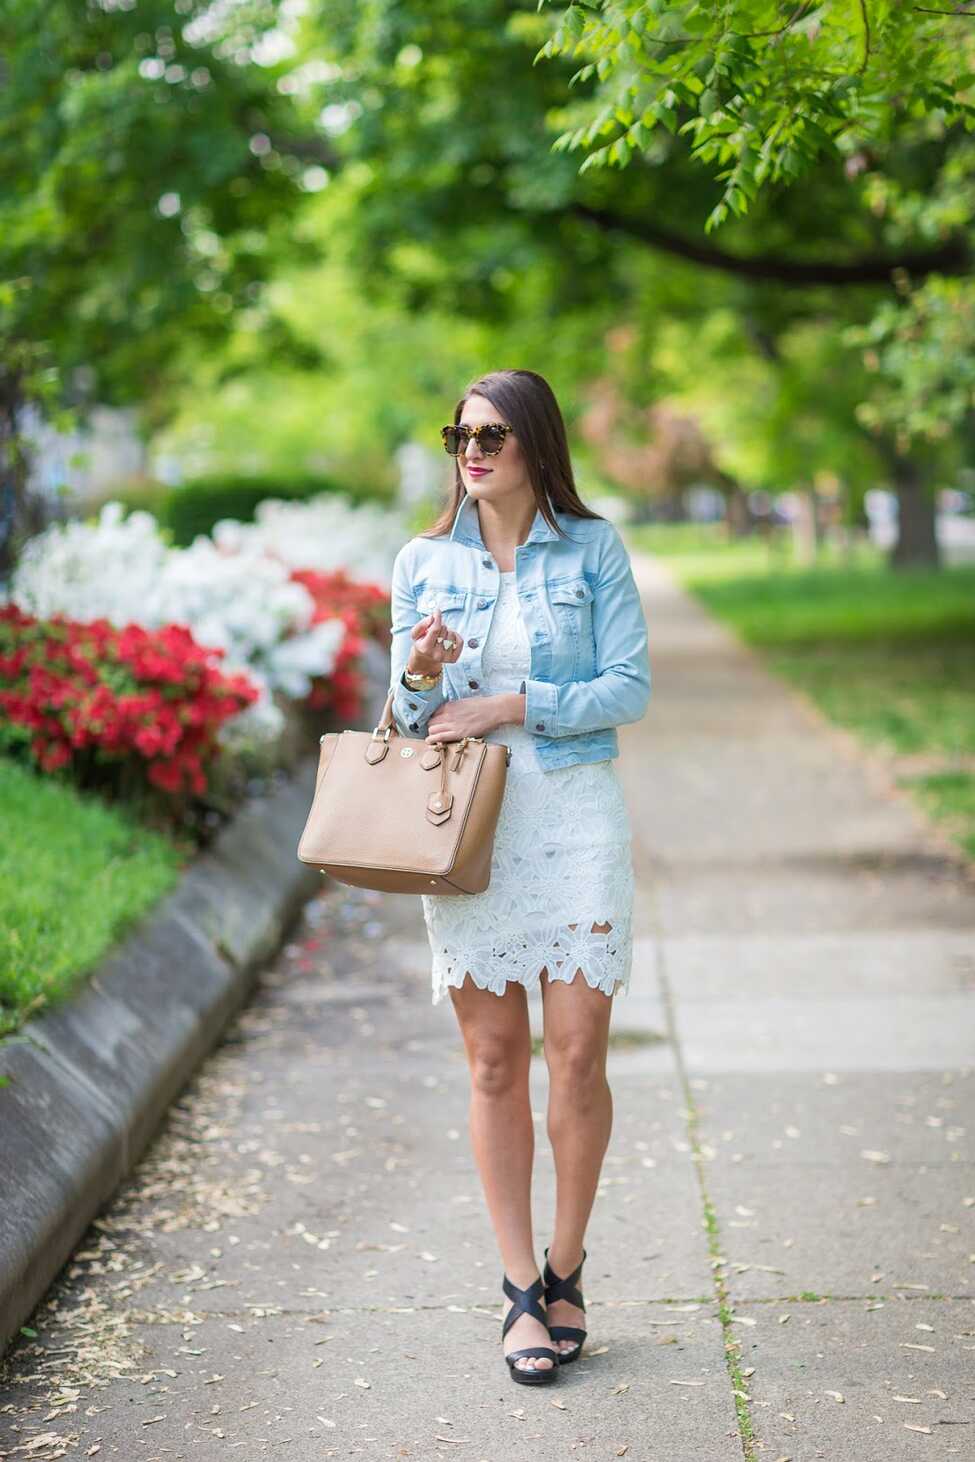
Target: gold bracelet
[415,680]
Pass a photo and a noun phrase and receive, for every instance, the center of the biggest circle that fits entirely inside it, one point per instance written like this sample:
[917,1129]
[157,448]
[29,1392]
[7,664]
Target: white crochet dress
[562,856]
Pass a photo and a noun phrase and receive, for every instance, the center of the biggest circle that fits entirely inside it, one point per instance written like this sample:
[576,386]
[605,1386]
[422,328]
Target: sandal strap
[526,1302]
[567,1332]
[539,1351]
[563,1289]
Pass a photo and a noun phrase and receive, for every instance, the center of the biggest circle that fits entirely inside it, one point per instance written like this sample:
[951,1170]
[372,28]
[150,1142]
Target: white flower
[326,532]
[298,659]
[91,572]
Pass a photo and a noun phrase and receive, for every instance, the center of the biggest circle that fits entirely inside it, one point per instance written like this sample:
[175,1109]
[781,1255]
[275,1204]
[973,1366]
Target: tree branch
[309,148]
[866,37]
[952,257]
[799,14]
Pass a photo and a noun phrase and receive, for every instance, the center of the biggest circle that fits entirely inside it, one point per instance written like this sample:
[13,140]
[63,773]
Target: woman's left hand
[469,715]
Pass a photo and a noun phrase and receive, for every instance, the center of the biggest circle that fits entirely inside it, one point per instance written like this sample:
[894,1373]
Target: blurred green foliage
[150,170]
[323,221]
[839,200]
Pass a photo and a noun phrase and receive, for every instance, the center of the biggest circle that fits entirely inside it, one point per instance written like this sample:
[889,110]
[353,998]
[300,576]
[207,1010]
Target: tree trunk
[21,514]
[806,527]
[917,541]
[737,519]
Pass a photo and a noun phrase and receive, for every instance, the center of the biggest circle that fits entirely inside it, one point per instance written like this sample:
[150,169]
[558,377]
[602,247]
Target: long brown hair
[528,403]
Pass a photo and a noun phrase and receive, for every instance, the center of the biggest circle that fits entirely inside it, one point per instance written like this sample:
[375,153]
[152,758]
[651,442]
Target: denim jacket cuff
[541,706]
[412,709]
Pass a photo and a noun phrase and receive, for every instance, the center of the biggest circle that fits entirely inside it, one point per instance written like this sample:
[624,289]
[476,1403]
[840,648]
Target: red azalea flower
[154,697]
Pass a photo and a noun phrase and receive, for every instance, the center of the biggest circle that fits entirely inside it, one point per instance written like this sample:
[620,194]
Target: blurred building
[68,468]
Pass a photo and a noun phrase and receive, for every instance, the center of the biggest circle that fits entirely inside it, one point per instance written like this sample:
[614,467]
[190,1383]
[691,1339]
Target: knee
[579,1065]
[497,1068]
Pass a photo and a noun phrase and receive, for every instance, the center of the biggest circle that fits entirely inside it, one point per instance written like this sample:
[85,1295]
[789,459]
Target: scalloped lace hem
[452,973]
[498,987]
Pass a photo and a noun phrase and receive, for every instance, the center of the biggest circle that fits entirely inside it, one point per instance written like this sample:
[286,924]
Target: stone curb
[91,1080]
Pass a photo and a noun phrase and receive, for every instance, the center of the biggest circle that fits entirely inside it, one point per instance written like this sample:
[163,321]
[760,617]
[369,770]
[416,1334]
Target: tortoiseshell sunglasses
[490,438]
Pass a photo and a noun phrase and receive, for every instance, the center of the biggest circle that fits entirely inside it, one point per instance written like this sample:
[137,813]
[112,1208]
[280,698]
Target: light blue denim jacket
[589,668]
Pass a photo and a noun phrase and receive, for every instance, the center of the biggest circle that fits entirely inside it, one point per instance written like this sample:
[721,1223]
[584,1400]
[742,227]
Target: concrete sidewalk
[782,1252]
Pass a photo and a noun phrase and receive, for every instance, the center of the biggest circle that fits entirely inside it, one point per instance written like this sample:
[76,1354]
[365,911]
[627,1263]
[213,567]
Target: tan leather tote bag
[397,814]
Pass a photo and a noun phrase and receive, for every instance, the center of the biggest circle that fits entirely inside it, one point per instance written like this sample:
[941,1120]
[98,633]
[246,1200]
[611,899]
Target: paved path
[782,1252]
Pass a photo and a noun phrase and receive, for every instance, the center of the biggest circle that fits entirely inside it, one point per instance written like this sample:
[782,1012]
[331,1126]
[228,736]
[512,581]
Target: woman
[516,618]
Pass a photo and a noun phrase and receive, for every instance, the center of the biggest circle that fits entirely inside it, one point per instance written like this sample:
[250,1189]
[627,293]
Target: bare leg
[580,1117]
[497,1039]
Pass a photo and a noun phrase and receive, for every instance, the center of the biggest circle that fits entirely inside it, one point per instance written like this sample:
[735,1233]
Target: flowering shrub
[243,602]
[274,596]
[364,610]
[153,699]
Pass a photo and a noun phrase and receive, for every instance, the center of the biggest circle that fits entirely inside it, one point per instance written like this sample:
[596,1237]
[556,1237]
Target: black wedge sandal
[526,1302]
[565,1289]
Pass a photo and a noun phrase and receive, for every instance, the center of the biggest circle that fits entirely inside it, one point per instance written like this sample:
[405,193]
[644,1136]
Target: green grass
[689,540]
[906,699]
[888,655]
[949,797]
[74,875]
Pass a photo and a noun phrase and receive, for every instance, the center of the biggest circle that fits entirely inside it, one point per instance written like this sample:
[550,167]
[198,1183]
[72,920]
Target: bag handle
[386,723]
[440,803]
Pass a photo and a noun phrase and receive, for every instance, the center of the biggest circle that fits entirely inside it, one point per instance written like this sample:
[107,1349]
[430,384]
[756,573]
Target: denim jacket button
[486,562]
[580,594]
[540,726]
[473,684]
[482,604]
[414,726]
[412,705]
[472,643]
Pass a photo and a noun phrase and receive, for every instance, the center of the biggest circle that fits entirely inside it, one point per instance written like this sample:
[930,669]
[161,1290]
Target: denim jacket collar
[465,528]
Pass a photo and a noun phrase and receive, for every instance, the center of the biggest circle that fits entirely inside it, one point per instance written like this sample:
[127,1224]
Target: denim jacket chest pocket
[567,628]
[450,600]
[570,607]
[457,608]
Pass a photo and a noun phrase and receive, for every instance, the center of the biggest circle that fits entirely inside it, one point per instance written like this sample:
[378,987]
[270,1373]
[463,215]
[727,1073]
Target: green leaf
[595,159]
[574,21]
[717,216]
[620,152]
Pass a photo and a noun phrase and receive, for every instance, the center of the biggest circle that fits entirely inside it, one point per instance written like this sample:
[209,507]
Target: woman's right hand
[427,657]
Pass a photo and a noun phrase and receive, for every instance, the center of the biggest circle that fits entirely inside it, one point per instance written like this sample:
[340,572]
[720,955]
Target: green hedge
[195,506]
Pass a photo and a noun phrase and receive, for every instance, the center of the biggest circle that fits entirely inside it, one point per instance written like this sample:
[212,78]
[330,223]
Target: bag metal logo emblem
[407,751]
